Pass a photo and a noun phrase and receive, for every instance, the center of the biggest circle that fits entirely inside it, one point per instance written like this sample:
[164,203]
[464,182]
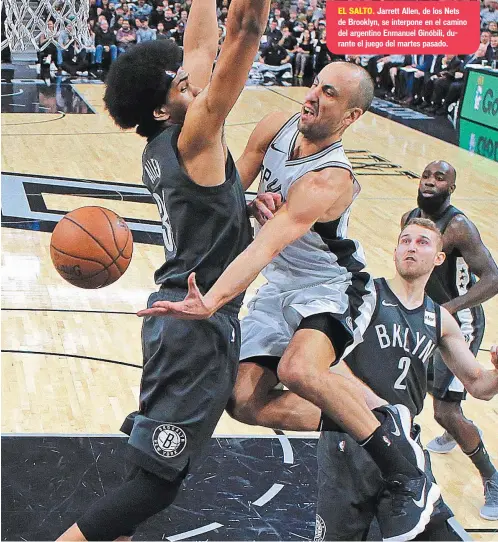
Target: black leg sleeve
[120,512]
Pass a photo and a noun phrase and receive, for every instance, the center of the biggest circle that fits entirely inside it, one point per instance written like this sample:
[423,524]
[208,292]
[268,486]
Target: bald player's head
[340,94]
[437,183]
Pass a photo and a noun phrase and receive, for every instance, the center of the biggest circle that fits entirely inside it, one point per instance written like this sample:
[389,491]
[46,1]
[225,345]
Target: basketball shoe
[405,504]
[490,509]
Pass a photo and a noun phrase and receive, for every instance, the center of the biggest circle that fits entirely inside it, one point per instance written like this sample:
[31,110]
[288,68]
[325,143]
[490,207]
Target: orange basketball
[91,247]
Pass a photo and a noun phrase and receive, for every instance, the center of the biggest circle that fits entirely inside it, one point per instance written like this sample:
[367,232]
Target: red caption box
[394,27]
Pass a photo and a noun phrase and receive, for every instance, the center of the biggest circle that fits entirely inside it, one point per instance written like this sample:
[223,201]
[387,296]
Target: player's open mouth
[410,259]
[307,112]
[428,193]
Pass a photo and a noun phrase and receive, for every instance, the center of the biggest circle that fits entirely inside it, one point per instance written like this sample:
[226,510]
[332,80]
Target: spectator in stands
[489,14]
[183,17]
[421,86]
[127,13]
[92,10]
[145,33]
[50,57]
[74,60]
[224,4]
[388,67]
[413,78]
[322,54]
[455,92]
[142,9]
[169,21]
[277,15]
[126,36]
[105,45]
[157,16]
[292,21]
[118,24]
[304,53]
[492,51]
[318,12]
[288,42]
[177,10]
[106,11]
[178,33]
[493,26]
[485,36]
[274,65]
[273,34]
[301,7]
[118,13]
[161,34]
[438,85]
[224,14]
[313,32]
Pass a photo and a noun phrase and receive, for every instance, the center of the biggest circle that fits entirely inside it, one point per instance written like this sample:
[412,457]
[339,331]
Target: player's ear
[353,115]
[440,257]
[161,113]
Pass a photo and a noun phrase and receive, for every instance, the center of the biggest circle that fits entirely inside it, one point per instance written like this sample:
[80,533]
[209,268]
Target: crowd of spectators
[293,48]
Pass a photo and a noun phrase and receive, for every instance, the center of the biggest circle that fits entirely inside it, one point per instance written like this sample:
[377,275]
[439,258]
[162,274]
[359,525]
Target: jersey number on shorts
[403,364]
[169,242]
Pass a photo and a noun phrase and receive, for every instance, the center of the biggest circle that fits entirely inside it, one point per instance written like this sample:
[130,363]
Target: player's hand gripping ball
[91,247]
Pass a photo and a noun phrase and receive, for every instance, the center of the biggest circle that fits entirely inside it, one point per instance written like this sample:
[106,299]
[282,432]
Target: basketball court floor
[71,358]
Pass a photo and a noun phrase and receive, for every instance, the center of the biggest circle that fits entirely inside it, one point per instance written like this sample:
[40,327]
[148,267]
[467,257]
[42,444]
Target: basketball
[91,247]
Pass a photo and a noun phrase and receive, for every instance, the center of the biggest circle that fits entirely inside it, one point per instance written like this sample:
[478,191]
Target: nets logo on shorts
[169,440]
[320,529]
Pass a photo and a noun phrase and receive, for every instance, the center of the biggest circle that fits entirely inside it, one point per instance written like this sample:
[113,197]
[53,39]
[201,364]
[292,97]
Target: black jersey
[452,279]
[396,348]
[204,228]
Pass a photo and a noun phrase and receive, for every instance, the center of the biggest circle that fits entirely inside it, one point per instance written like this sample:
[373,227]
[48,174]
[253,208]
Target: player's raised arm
[200,42]
[245,25]
[480,382]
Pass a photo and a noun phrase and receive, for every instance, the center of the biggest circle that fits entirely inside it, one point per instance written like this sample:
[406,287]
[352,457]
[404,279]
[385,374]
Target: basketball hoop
[25,24]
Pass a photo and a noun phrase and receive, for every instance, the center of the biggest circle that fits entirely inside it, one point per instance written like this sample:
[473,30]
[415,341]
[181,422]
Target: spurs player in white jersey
[318,299]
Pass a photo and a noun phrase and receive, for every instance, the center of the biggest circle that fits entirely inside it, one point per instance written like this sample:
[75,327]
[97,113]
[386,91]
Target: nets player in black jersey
[189,367]
[392,359]
[454,286]
[318,299]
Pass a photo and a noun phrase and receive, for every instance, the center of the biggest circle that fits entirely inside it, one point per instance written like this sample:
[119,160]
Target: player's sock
[480,458]
[328,424]
[386,454]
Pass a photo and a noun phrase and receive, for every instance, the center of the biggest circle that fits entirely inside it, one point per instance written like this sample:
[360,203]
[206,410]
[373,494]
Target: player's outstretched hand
[494,355]
[264,207]
[193,307]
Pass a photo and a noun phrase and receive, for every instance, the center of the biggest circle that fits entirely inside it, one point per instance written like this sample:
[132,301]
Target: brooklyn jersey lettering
[453,278]
[204,228]
[396,348]
[324,253]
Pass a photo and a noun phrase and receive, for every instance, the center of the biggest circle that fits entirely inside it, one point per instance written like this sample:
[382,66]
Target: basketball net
[24,23]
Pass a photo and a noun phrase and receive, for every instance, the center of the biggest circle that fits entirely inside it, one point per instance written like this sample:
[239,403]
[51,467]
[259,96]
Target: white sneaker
[53,67]
[443,444]
[490,509]
[38,69]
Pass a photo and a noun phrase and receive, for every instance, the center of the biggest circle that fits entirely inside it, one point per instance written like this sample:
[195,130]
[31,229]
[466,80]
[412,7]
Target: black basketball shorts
[189,370]
[446,386]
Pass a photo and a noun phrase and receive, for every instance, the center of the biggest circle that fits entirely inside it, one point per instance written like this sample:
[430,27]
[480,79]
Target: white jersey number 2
[404,365]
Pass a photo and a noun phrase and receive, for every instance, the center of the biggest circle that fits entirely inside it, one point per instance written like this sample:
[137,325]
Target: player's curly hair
[137,84]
